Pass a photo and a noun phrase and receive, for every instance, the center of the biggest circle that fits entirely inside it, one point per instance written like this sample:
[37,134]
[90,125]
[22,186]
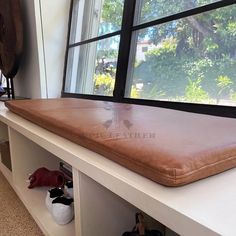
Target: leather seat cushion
[170,147]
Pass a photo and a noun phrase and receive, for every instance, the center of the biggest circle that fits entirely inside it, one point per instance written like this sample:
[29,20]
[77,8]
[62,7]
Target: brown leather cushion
[170,147]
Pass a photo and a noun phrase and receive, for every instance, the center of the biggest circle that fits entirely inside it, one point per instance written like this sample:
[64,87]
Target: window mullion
[124,49]
[67,46]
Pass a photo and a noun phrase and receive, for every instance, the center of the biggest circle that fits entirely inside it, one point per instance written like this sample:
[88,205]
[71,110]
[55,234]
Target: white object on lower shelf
[57,192]
[61,212]
[34,200]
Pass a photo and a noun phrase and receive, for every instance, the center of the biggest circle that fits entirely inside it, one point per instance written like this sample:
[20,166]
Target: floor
[14,217]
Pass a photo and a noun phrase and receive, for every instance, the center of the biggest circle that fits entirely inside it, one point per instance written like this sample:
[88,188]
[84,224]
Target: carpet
[14,217]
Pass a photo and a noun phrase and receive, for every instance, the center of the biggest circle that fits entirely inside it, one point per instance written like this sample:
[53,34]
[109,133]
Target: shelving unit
[108,195]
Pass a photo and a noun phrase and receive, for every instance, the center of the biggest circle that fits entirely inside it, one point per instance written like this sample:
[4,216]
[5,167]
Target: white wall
[45,32]
[55,15]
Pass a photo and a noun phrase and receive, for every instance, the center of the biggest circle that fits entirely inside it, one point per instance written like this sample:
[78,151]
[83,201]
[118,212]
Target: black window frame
[125,33]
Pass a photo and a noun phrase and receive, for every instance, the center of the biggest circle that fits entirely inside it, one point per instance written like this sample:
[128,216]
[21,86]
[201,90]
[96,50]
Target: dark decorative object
[140,228]
[66,169]
[11,41]
[45,177]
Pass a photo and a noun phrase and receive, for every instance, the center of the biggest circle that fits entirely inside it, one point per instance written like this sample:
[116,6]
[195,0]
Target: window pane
[148,10]
[91,68]
[92,18]
[189,60]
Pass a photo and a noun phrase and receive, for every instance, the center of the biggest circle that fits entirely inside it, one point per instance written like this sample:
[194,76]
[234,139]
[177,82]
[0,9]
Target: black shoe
[130,234]
[153,233]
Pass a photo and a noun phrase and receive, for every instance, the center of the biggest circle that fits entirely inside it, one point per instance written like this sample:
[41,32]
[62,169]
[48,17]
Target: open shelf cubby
[27,157]
[107,213]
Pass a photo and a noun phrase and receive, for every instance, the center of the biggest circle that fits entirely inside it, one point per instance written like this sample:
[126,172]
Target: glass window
[149,10]
[172,58]
[91,67]
[189,60]
[92,18]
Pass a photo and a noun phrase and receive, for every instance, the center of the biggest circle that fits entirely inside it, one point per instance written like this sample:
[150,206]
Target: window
[179,54]
[93,47]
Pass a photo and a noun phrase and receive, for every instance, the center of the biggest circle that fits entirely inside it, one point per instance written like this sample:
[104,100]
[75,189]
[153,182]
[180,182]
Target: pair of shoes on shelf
[52,194]
[60,206]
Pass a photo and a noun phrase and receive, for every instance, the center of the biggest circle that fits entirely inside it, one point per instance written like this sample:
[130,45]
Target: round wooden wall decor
[11,37]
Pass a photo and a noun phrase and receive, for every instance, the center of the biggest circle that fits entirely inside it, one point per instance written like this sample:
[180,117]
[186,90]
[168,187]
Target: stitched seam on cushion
[175,176]
[207,166]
